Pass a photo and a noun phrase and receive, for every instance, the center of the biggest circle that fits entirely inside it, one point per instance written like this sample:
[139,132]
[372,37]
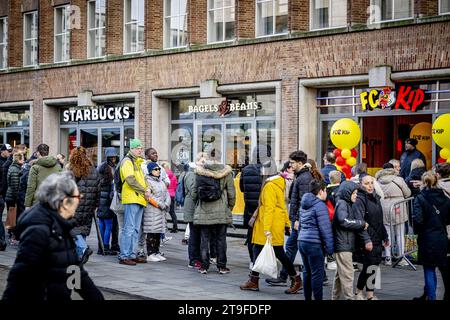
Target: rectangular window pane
[3,42]
[173,32]
[339,13]
[265,18]
[62,35]
[28,26]
[92,43]
[229,23]
[128,135]
[91,14]
[445,6]
[403,9]
[281,16]
[216,4]
[320,12]
[217,25]
[89,140]
[180,109]
[386,10]
[181,146]
[267,103]
[140,38]
[101,38]
[444,95]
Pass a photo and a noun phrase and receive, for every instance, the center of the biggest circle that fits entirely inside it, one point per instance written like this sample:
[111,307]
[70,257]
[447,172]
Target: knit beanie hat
[151,165]
[135,143]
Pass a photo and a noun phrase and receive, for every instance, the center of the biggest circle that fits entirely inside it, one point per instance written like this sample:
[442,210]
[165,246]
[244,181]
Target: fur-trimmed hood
[385,176]
[214,170]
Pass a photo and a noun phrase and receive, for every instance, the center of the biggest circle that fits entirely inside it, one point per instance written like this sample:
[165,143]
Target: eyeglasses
[157,169]
[79,196]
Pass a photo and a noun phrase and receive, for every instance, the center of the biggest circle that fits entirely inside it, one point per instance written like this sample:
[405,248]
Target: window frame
[65,34]
[32,40]
[439,9]
[94,29]
[125,24]
[274,34]
[330,15]
[208,13]
[166,38]
[393,13]
[4,44]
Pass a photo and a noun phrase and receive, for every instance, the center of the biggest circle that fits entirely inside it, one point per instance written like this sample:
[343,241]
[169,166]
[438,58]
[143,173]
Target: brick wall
[298,15]
[424,8]
[197,21]
[78,36]
[46,32]
[357,11]
[245,19]
[30,5]
[15,31]
[114,27]
[154,24]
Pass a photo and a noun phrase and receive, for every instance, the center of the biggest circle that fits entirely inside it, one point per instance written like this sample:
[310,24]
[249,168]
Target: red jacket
[173,183]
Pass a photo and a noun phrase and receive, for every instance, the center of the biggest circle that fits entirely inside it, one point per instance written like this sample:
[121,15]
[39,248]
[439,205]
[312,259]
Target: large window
[62,34]
[30,39]
[444,6]
[175,23]
[96,28]
[134,26]
[328,14]
[3,43]
[271,17]
[388,10]
[221,20]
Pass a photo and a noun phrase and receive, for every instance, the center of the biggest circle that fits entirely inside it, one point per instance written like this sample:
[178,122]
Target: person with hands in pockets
[270,225]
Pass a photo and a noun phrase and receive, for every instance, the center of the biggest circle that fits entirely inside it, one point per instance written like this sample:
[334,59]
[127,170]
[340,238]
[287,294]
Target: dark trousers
[213,244]
[313,271]
[115,234]
[248,212]
[11,231]
[173,214]
[194,243]
[280,254]
[364,276]
[153,242]
[291,249]
[2,227]
[220,232]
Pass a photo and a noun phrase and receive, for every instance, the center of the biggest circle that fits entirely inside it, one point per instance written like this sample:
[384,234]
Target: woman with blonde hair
[414,178]
[88,182]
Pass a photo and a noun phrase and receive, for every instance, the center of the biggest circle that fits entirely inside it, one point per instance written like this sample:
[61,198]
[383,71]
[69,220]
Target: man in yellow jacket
[270,224]
[135,191]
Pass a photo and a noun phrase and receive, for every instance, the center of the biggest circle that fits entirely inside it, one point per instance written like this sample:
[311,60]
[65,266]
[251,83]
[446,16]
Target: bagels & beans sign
[406,98]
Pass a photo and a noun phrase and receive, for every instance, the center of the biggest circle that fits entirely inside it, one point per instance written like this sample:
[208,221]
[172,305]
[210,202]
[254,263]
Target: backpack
[180,193]
[208,188]
[118,183]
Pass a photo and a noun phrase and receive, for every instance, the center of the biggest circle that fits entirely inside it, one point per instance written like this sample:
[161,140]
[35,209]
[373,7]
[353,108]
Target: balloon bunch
[441,136]
[345,160]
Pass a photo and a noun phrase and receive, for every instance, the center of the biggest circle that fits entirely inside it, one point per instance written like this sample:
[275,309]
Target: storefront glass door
[209,138]
[89,140]
[238,145]
[110,138]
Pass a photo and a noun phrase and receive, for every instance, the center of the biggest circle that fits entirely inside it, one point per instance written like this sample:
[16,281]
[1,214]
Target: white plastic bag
[266,263]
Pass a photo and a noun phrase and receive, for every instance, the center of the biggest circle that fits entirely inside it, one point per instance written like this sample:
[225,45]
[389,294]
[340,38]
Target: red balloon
[441,160]
[337,153]
[354,153]
[340,162]
[346,168]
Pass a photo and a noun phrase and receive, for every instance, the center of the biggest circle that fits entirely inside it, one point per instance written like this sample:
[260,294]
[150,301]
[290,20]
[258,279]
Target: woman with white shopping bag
[268,231]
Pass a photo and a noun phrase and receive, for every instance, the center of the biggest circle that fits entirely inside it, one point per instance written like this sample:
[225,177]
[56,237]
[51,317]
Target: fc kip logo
[341,132]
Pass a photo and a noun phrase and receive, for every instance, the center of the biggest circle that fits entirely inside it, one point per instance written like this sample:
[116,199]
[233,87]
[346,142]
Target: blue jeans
[291,249]
[430,282]
[81,245]
[130,234]
[313,269]
[105,226]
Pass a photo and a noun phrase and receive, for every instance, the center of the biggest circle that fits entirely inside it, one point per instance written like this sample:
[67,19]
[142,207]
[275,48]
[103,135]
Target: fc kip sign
[405,98]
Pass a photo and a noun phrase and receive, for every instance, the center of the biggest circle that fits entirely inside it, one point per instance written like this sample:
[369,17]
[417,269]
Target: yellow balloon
[351,161]
[448,160]
[346,154]
[345,134]
[445,153]
[338,167]
[441,131]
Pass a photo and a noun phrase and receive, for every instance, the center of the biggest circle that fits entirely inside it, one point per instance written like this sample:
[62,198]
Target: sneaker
[331,265]
[165,240]
[197,265]
[202,271]
[224,270]
[325,281]
[388,261]
[213,260]
[277,282]
[373,298]
[359,296]
[153,258]
[160,257]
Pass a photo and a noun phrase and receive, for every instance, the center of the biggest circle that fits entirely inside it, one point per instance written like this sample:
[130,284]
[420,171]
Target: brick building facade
[293,66]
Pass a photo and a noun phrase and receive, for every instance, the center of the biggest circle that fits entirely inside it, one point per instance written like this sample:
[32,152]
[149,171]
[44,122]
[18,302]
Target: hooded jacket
[250,184]
[407,158]
[173,182]
[41,169]
[2,162]
[46,250]
[189,184]
[273,215]
[394,189]
[134,183]
[219,211]
[106,174]
[345,224]
[315,225]
[13,180]
[154,219]
[299,188]
[4,170]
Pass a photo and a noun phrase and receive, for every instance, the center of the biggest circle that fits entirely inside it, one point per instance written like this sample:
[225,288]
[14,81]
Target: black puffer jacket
[299,188]
[106,174]
[2,162]
[345,225]
[13,180]
[90,188]
[250,184]
[45,252]
[431,227]
[416,174]
[5,168]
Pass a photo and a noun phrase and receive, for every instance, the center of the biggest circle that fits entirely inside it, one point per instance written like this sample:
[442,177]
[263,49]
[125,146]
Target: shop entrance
[384,138]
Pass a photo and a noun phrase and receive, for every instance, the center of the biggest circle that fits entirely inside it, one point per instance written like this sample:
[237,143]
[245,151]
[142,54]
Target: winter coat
[173,183]
[163,175]
[106,175]
[299,188]
[394,189]
[289,179]
[2,162]
[250,184]
[89,187]
[13,180]
[219,211]
[24,182]
[315,225]
[4,170]
[431,228]
[189,203]
[132,166]
[273,215]
[154,220]
[444,184]
[46,250]
[415,175]
[40,170]
[326,173]
[368,208]
[407,158]
[345,225]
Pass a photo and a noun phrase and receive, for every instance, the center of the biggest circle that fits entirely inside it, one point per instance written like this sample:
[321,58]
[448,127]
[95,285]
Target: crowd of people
[331,221]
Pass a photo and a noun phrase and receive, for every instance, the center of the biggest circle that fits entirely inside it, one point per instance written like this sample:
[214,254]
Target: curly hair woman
[88,182]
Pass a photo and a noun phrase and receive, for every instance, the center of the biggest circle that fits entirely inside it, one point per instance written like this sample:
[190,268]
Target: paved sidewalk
[172,279]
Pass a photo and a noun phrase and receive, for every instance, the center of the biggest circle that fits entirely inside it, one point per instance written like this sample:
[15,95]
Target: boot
[251,284]
[296,285]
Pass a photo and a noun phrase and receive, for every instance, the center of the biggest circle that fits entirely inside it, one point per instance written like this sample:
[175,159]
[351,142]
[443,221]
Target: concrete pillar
[307,122]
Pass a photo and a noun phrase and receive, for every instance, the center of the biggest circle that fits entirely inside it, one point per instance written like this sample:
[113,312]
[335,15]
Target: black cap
[6,146]
[412,141]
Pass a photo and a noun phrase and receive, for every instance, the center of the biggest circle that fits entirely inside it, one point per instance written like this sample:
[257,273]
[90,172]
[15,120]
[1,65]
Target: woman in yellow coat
[270,224]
